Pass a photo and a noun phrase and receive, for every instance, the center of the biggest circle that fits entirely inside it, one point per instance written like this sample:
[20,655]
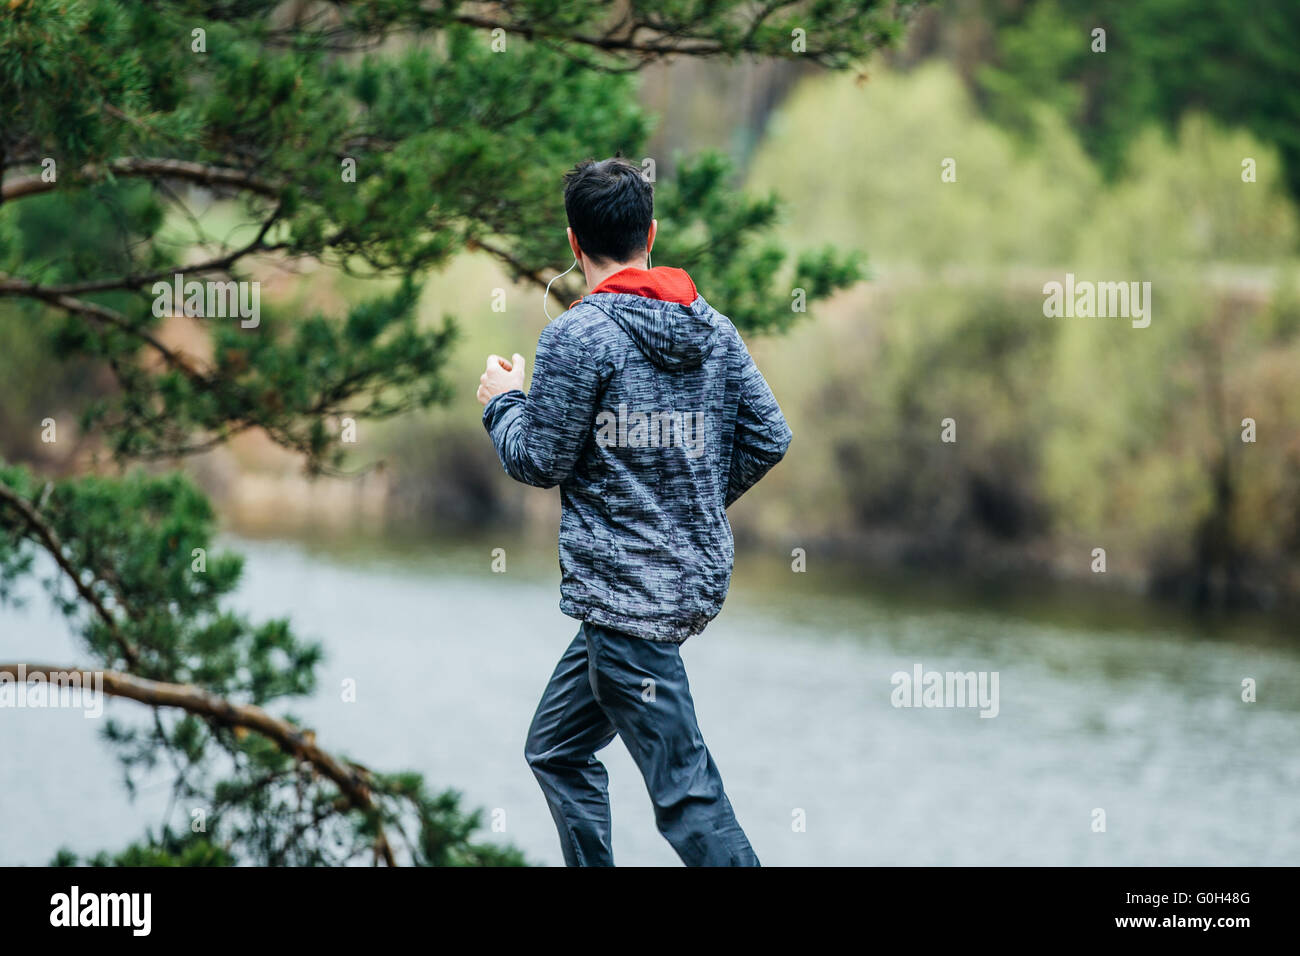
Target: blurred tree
[1072,434]
[383,137]
[1237,63]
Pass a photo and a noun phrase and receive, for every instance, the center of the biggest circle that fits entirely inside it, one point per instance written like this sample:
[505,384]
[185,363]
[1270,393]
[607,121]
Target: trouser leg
[642,687]
[567,730]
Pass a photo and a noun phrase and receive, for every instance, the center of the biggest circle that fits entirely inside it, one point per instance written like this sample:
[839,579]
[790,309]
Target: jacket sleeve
[539,436]
[762,435]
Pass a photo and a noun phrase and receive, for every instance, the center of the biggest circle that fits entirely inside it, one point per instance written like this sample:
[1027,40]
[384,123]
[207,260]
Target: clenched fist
[500,376]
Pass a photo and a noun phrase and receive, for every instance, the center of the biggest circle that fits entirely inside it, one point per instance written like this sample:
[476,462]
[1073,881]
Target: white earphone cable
[547,294]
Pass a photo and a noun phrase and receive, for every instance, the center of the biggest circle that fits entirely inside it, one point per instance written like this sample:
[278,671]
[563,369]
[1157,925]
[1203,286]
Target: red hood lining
[662,282]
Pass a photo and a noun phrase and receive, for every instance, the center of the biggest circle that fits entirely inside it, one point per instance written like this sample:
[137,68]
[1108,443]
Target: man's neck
[596,274]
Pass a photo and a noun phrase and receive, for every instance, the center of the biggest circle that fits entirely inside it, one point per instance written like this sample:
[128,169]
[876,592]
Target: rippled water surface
[792,685]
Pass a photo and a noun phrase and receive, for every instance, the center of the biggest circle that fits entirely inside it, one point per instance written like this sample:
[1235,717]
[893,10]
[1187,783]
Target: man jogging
[648,412]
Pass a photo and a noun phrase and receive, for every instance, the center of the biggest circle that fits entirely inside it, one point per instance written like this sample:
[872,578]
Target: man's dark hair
[610,206]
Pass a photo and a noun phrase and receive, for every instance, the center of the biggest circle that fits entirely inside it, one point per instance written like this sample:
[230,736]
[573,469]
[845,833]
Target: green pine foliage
[1233,62]
[378,137]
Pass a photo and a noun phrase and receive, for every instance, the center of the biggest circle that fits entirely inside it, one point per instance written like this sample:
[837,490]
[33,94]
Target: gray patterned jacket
[652,418]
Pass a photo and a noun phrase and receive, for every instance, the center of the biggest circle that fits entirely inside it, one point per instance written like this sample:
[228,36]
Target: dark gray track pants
[608,684]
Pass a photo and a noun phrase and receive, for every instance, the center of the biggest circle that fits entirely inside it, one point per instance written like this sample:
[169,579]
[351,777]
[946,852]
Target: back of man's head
[610,206]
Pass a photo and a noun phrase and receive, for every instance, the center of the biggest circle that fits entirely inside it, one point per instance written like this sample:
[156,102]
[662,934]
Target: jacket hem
[636,627]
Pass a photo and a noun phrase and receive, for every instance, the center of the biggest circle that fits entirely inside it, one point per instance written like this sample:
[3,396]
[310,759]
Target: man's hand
[500,376]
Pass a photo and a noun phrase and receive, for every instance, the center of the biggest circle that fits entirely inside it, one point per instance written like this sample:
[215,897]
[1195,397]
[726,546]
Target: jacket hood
[662,313]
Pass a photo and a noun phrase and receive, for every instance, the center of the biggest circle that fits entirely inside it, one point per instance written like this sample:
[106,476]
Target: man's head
[611,207]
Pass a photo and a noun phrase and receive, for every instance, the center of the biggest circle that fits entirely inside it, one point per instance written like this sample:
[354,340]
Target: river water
[1103,705]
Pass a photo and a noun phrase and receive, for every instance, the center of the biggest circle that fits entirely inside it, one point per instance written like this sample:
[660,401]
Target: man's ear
[573,244]
[650,239]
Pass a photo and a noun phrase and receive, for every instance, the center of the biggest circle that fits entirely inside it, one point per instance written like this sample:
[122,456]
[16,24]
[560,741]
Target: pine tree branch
[101,315]
[49,540]
[290,739]
[628,39]
[145,167]
[221,263]
[561,292]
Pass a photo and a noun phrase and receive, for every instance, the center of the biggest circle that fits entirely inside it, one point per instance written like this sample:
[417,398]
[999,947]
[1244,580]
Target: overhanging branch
[295,741]
[560,291]
[200,173]
[100,315]
[49,540]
